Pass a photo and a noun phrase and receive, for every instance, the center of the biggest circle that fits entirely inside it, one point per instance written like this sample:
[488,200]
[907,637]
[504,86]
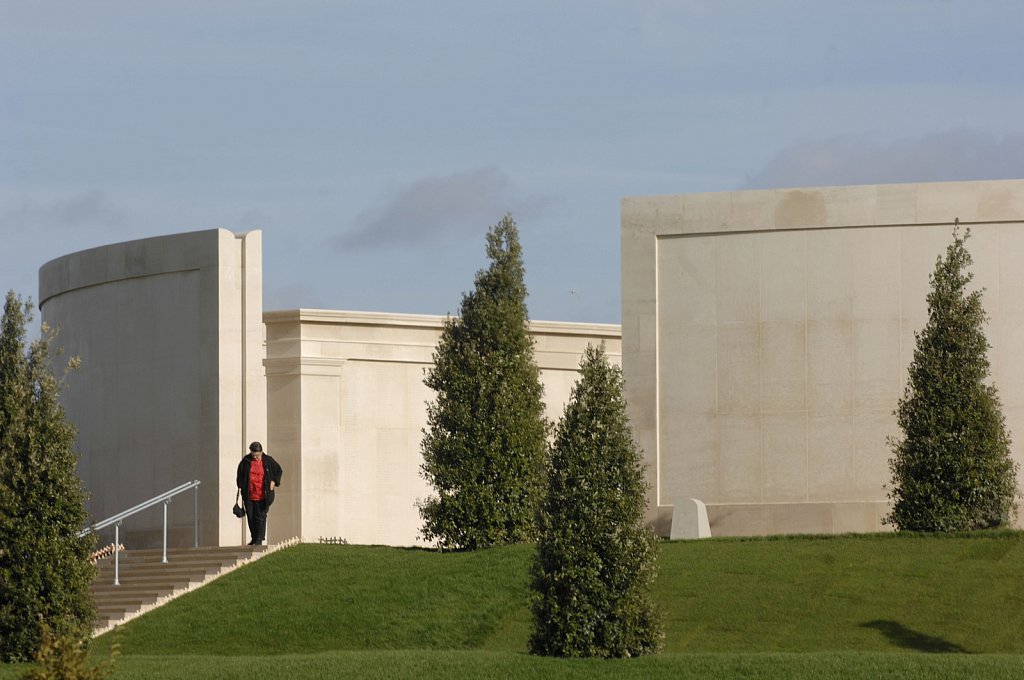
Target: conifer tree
[595,560]
[951,469]
[485,442]
[44,567]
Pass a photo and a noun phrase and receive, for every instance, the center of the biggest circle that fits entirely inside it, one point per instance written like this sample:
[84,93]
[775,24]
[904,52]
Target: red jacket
[271,473]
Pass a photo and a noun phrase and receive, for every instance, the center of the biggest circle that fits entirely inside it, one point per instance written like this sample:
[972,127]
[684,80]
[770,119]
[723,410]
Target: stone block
[1010,266]
[946,201]
[690,520]
[737,278]
[829,455]
[784,276]
[706,213]
[752,210]
[877,376]
[829,365]
[850,206]
[801,518]
[784,457]
[651,214]
[796,208]
[689,354]
[738,519]
[687,280]
[739,357]
[1000,201]
[877,260]
[830,273]
[783,366]
[688,464]
[855,518]
[872,453]
[895,204]
[739,458]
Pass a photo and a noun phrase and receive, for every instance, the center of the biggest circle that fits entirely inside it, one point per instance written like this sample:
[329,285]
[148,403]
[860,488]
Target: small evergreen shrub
[595,560]
[486,437]
[951,468]
[44,566]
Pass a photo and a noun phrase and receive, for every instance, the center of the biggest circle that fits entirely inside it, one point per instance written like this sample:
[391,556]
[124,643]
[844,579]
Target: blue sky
[375,142]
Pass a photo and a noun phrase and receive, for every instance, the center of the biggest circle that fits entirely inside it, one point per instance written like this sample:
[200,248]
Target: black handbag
[238,509]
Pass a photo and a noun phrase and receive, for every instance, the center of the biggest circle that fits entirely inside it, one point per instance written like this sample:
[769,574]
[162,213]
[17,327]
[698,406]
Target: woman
[258,476]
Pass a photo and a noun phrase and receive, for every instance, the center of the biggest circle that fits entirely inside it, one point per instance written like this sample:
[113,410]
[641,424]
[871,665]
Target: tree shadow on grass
[908,638]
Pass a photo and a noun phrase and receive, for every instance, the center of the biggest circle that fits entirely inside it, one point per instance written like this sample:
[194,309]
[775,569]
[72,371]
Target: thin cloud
[445,207]
[88,209]
[948,156]
[290,296]
[252,219]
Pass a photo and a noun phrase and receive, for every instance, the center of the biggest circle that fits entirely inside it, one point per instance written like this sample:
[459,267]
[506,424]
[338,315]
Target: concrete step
[206,553]
[119,594]
[108,618]
[151,581]
[108,588]
[150,578]
[192,555]
[146,580]
[170,569]
[131,565]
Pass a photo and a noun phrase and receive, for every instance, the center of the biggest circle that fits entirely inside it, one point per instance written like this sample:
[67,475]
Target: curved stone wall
[172,387]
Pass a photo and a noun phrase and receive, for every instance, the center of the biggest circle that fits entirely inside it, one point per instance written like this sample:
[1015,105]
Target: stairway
[146,582]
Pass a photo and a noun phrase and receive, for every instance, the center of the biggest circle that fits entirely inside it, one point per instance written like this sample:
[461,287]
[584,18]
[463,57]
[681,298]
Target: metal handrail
[116,520]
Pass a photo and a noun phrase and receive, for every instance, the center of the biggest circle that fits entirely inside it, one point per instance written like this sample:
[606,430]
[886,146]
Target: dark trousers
[256,513]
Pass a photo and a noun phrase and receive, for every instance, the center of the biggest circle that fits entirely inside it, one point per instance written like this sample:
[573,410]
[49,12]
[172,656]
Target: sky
[374,143]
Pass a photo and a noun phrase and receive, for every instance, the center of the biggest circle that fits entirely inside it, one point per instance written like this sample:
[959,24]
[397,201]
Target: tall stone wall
[177,380]
[347,406]
[172,385]
[767,334]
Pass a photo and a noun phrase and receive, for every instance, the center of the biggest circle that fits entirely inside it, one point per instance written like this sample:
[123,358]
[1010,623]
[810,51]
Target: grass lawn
[452,664]
[899,606]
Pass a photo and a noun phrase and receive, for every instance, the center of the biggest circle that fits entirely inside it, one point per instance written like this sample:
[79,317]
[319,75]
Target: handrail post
[166,503]
[116,520]
[117,554]
[196,514]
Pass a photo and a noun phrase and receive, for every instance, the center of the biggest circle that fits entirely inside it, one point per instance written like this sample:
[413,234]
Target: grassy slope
[880,593]
[317,598]
[450,664]
[731,607]
[857,593]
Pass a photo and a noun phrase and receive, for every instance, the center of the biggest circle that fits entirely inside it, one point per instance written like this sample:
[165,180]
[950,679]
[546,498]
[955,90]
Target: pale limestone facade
[765,341]
[172,385]
[180,373]
[766,338]
[347,407]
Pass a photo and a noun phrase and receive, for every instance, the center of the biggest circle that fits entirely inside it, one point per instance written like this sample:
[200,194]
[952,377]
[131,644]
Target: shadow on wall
[908,638]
